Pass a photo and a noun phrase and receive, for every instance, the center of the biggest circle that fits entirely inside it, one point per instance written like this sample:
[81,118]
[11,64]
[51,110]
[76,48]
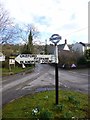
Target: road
[42,78]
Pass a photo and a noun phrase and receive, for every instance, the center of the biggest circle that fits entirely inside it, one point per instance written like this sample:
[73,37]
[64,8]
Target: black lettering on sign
[20,55]
[21,62]
[25,55]
[27,62]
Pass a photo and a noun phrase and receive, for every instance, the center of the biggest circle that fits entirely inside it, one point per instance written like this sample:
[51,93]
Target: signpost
[11,63]
[31,59]
[55,38]
[25,59]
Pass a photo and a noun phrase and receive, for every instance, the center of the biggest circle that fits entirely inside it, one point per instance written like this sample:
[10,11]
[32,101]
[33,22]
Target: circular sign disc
[55,38]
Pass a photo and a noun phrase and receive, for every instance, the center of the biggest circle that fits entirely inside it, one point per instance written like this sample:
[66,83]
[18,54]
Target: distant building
[63,46]
[79,47]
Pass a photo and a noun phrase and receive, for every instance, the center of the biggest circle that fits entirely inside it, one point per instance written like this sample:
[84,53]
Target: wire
[76,31]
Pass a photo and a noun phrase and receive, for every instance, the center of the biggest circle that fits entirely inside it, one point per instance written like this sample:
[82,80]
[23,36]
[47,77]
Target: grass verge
[15,70]
[41,106]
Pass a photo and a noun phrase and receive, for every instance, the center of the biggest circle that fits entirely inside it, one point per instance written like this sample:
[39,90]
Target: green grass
[14,70]
[71,105]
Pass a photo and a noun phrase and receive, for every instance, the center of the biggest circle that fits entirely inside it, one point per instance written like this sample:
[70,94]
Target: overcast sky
[68,18]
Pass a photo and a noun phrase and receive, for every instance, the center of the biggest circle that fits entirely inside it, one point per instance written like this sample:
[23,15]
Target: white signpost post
[11,62]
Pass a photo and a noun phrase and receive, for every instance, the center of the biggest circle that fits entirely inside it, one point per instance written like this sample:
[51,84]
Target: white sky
[68,18]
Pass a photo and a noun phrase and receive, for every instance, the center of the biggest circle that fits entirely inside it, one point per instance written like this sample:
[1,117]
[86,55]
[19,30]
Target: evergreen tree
[87,54]
[28,48]
[25,49]
[46,52]
[30,43]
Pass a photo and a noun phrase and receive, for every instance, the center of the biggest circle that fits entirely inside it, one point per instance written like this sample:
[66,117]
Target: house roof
[61,47]
[82,44]
[51,48]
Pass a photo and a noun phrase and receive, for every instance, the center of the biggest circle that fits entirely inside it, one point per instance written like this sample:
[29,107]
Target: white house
[79,47]
[64,46]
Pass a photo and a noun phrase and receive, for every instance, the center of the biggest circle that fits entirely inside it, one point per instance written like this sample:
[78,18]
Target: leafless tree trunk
[7,28]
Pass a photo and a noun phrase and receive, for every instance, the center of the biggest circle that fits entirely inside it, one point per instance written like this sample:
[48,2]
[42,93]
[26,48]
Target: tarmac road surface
[42,78]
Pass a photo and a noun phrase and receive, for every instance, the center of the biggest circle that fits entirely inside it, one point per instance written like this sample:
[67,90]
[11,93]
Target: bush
[82,61]
[67,58]
[5,64]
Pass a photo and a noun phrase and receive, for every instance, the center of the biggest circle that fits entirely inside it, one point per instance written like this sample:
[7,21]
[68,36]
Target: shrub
[87,54]
[81,61]
[5,64]
[67,58]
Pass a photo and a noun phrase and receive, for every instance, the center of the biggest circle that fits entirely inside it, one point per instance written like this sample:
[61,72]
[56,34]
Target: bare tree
[68,58]
[8,30]
[4,18]
[28,34]
[24,31]
[4,23]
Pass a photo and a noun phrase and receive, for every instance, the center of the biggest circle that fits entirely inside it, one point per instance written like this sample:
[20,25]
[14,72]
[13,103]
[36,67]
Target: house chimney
[65,41]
